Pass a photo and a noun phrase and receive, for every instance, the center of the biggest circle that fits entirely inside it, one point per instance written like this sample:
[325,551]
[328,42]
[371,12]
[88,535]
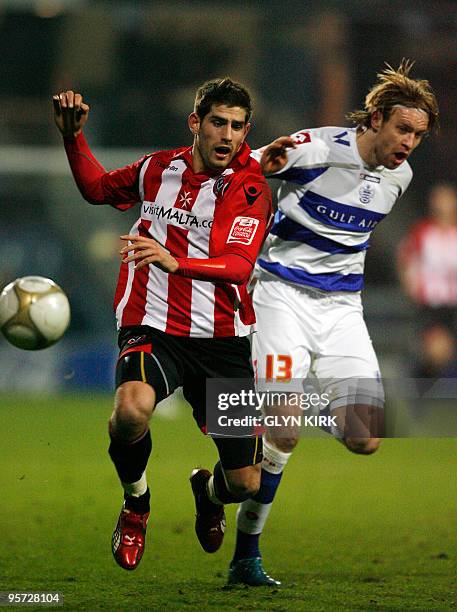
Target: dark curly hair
[222,91]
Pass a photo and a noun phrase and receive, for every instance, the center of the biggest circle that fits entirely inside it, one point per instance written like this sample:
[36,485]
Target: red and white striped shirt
[193,216]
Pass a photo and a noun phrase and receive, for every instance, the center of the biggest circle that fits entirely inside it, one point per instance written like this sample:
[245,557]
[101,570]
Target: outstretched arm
[274,156]
[225,268]
[118,188]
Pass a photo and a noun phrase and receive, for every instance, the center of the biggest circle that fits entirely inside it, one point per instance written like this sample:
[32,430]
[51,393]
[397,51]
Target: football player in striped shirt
[338,184]
[182,306]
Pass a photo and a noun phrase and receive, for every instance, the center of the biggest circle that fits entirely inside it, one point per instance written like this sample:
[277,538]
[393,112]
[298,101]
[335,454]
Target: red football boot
[127,543]
[210,518]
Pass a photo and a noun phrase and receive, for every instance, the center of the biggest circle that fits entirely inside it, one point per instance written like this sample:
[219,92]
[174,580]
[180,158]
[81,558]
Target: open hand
[148,251]
[274,155]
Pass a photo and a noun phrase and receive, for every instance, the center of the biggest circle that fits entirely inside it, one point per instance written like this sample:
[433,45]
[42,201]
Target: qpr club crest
[366,193]
[220,186]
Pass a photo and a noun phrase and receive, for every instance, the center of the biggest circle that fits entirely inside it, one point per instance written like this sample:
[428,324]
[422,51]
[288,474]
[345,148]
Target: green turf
[346,532]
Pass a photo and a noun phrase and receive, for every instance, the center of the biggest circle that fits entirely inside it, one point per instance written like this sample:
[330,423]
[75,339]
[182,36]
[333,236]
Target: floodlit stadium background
[137,64]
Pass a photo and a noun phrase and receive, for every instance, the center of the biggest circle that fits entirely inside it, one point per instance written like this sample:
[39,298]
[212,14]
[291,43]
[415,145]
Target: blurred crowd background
[138,65]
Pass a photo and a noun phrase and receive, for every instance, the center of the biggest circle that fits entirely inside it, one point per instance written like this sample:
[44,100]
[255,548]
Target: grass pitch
[345,533]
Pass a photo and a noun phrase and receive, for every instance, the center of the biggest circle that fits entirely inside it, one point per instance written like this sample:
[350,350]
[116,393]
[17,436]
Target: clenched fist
[70,112]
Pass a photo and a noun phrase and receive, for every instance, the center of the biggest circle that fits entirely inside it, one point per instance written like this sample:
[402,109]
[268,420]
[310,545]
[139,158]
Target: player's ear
[193,122]
[376,120]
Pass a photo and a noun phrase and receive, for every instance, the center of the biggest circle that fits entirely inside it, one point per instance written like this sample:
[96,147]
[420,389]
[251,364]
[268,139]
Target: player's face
[218,136]
[398,136]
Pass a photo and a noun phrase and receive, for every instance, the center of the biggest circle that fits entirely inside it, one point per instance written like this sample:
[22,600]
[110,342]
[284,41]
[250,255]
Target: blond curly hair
[397,88]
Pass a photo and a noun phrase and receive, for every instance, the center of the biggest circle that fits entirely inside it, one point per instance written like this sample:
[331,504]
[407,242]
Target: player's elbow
[90,196]
[240,279]
[240,273]
[93,201]
[92,192]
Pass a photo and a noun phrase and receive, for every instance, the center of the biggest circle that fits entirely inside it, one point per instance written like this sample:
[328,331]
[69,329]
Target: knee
[244,485]
[363,446]
[243,490]
[133,407]
[285,445]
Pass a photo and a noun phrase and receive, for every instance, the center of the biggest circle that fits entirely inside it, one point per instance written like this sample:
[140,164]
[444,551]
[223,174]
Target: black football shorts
[167,362]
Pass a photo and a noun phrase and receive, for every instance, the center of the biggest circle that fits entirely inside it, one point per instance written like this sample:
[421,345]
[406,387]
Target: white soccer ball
[34,312]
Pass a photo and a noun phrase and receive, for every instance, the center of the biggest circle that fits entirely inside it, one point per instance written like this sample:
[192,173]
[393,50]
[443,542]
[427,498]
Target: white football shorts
[304,333]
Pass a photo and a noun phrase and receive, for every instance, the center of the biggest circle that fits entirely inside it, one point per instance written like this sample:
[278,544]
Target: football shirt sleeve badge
[302,137]
[243,230]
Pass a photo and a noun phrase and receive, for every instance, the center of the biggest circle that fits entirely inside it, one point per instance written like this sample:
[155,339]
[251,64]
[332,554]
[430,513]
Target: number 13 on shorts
[278,368]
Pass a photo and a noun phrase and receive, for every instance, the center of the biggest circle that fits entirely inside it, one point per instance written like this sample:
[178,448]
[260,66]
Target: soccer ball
[34,312]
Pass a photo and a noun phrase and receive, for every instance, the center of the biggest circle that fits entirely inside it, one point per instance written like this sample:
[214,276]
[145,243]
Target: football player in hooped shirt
[338,184]
[181,303]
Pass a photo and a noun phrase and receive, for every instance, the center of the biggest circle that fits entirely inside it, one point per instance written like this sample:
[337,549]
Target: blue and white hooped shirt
[328,204]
